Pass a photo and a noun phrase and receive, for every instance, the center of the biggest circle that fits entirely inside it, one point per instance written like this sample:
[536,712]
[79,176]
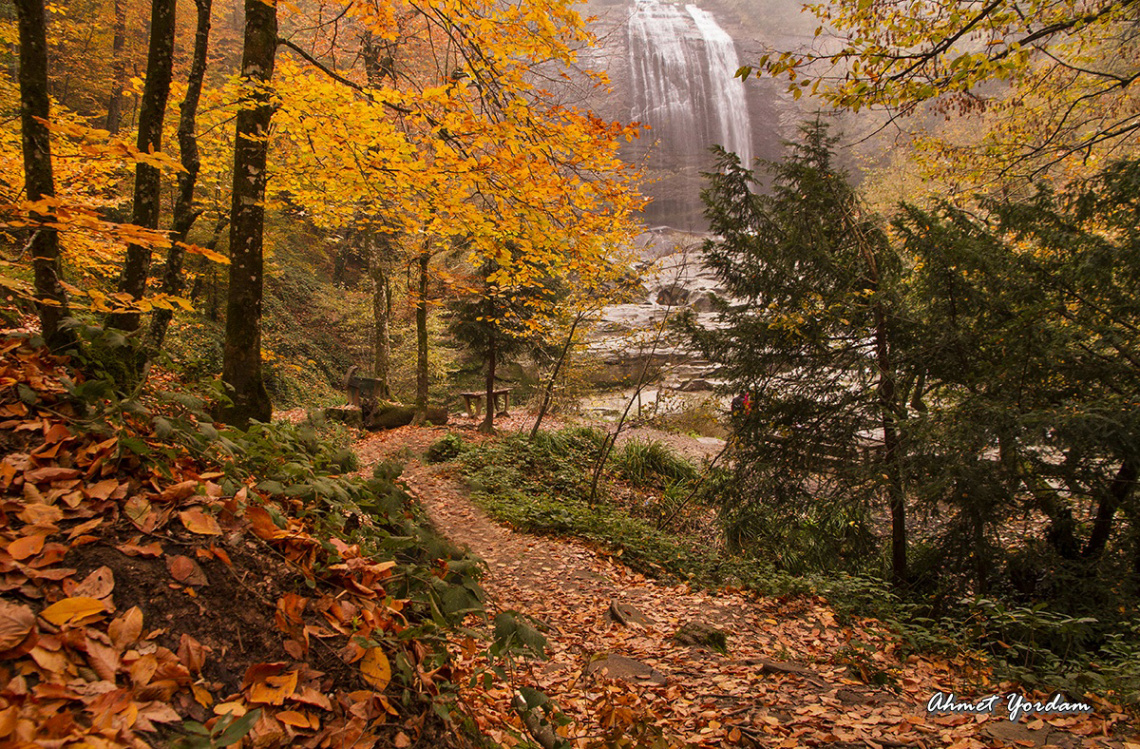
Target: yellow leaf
[293,718]
[274,689]
[73,609]
[203,698]
[376,669]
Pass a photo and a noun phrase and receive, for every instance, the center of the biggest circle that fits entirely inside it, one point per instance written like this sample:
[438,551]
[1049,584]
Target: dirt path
[792,676]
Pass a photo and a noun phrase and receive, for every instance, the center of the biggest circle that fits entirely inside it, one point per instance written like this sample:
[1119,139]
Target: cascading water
[682,67]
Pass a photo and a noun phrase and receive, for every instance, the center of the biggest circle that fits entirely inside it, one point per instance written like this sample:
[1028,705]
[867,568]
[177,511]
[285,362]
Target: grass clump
[442,450]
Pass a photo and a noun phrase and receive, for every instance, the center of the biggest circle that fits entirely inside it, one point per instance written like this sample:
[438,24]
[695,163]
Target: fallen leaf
[186,570]
[197,521]
[73,610]
[15,623]
[192,654]
[102,490]
[126,629]
[201,696]
[50,473]
[293,718]
[153,549]
[98,584]
[376,669]
[274,689]
[38,513]
[179,491]
[22,548]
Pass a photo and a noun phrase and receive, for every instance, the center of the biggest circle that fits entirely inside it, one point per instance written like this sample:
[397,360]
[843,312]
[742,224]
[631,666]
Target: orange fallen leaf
[376,669]
[197,521]
[126,628]
[22,548]
[73,610]
[274,689]
[38,513]
[178,491]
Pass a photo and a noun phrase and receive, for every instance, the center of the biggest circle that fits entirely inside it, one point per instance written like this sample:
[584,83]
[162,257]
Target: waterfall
[682,65]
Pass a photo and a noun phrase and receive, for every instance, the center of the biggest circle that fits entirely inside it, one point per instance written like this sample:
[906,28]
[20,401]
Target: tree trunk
[148,182]
[379,268]
[1110,501]
[548,394]
[241,368]
[488,425]
[39,182]
[422,339]
[892,455]
[118,69]
[184,213]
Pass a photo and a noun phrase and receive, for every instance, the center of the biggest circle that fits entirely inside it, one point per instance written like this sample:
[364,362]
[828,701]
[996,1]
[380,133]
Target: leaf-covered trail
[792,676]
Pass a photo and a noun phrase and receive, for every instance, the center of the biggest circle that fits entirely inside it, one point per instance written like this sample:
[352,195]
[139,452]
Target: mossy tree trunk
[35,112]
[148,179]
[241,367]
[173,281]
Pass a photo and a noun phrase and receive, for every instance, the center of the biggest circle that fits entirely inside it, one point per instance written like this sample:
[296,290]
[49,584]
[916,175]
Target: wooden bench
[473,402]
[357,388]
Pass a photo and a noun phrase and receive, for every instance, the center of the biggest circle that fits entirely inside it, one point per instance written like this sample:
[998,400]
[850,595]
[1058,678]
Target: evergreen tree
[807,334]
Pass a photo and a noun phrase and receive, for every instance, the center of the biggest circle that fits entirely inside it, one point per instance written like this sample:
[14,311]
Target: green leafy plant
[226,731]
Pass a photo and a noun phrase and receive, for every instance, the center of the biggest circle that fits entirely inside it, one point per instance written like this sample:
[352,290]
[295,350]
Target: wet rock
[673,295]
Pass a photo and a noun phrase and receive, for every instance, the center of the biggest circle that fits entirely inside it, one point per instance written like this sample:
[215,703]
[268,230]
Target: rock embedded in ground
[699,634]
[624,614]
[625,669]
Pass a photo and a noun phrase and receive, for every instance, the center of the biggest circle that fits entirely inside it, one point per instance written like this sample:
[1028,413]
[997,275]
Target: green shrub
[445,449]
[652,463]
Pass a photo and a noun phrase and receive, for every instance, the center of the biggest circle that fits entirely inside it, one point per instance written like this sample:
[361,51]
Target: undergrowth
[542,486]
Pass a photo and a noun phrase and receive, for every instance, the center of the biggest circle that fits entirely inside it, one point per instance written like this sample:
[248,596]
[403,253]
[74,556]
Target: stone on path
[625,669]
[624,614]
[699,634]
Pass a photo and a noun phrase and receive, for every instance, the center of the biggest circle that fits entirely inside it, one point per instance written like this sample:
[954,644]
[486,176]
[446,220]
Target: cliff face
[671,67]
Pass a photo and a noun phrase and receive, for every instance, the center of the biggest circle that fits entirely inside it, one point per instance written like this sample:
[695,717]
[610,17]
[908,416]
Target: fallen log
[391,415]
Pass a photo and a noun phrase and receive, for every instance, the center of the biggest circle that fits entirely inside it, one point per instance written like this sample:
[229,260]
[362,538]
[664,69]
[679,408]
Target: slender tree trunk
[148,182]
[118,69]
[422,340]
[173,281]
[548,393]
[39,182]
[379,268]
[1110,501]
[892,454]
[488,425]
[241,368]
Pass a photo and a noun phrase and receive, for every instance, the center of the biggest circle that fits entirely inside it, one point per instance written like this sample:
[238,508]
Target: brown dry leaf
[159,712]
[153,549]
[102,490]
[142,670]
[192,654]
[98,584]
[22,548]
[38,513]
[310,696]
[126,629]
[9,717]
[50,473]
[197,521]
[262,523]
[376,669]
[82,528]
[73,610]
[402,741]
[15,624]
[274,689]
[186,570]
[139,510]
[179,491]
[104,659]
